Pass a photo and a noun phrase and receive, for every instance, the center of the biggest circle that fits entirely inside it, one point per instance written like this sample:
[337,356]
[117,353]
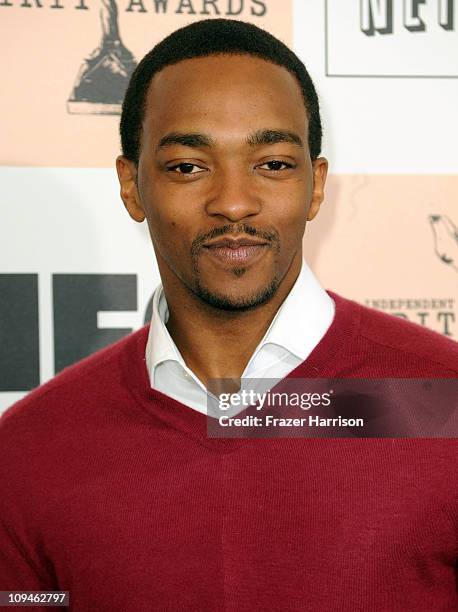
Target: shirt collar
[160,346]
[298,326]
[303,318]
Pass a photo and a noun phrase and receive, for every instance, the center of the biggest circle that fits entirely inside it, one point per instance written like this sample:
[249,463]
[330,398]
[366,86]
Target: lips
[236,250]
[234,243]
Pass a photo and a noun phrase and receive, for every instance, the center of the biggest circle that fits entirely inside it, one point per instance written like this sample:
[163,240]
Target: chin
[242,301]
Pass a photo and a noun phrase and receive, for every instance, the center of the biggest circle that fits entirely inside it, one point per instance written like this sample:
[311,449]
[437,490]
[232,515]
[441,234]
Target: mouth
[236,250]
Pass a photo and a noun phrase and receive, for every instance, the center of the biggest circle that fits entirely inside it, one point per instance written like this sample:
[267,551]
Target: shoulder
[62,429]
[72,394]
[392,337]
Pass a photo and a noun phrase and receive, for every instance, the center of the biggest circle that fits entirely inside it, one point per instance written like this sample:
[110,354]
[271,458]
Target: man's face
[225,178]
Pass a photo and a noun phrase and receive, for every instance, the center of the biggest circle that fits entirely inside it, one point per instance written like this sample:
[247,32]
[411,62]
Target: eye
[186,168]
[275,165]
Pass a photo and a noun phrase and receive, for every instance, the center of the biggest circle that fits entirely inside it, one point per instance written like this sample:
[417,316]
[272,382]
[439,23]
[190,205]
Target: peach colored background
[43,50]
[372,239]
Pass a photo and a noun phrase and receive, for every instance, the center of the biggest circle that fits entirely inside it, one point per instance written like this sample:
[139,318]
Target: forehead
[222,93]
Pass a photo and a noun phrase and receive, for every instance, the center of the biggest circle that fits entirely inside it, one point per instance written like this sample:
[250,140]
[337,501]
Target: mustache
[236,229]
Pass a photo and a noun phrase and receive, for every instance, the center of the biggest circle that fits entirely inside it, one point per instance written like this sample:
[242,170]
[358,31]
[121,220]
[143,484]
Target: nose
[233,195]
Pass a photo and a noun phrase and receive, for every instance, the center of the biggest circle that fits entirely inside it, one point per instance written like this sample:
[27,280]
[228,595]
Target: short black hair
[201,39]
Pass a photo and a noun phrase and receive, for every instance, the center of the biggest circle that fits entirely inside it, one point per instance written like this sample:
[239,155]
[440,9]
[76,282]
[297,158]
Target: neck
[216,343]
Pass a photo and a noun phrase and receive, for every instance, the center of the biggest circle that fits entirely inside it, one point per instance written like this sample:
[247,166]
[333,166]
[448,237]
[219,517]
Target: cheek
[290,223]
[160,211]
[166,233]
[289,215]
[171,231]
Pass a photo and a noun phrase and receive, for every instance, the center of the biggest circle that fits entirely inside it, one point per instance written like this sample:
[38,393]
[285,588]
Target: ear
[320,172]
[127,175]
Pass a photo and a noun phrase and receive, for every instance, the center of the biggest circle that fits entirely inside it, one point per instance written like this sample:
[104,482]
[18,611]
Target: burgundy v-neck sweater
[112,491]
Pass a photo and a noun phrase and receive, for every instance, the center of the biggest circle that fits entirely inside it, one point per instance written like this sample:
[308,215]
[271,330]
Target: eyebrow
[261,137]
[191,139]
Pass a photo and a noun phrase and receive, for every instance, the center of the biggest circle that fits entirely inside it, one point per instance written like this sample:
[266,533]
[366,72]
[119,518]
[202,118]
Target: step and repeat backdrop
[76,273]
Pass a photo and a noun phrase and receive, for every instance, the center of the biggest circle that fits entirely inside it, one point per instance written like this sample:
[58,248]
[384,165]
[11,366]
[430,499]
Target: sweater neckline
[323,362]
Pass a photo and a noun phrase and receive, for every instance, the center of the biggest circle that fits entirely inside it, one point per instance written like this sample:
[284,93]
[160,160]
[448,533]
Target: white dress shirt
[298,326]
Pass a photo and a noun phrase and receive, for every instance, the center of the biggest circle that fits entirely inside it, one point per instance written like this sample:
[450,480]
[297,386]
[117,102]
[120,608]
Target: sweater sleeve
[23,561]
[17,571]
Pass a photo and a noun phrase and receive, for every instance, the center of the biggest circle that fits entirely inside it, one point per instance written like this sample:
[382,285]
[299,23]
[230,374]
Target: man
[115,492]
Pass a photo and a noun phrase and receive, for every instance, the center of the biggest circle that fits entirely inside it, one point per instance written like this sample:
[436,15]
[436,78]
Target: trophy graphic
[102,79]
[445,234]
